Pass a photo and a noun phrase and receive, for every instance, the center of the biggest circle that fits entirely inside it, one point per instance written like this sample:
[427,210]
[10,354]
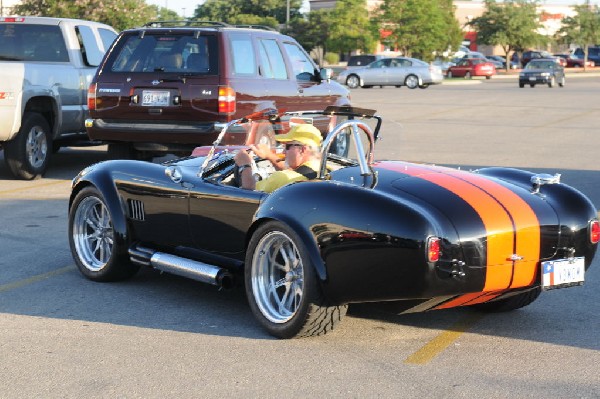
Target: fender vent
[136,210]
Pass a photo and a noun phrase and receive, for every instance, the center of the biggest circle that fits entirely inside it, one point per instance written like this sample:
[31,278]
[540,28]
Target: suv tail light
[226,100]
[433,249]
[594,231]
[91,98]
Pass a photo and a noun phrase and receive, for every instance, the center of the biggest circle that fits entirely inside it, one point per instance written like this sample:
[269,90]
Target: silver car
[399,71]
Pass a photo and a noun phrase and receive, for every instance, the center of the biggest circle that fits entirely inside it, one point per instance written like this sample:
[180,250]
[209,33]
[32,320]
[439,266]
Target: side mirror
[326,74]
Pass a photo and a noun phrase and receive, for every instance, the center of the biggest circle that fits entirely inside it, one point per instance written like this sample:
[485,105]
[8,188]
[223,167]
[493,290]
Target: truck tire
[27,155]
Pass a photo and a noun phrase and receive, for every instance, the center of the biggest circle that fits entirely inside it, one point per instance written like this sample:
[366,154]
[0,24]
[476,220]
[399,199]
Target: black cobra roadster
[417,236]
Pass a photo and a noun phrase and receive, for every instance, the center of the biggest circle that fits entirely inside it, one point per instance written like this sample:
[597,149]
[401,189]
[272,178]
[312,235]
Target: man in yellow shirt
[302,155]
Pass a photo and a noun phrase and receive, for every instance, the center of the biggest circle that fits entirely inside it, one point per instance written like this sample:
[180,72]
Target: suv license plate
[562,273]
[154,98]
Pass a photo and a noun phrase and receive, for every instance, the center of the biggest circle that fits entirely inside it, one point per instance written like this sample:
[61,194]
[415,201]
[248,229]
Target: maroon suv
[167,89]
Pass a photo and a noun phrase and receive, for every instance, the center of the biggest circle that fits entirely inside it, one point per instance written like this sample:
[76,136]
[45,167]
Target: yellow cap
[304,133]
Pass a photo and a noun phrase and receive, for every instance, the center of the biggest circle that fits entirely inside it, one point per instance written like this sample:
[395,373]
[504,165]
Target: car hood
[539,70]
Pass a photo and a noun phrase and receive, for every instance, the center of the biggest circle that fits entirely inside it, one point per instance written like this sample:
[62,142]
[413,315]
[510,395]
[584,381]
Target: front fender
[100,177]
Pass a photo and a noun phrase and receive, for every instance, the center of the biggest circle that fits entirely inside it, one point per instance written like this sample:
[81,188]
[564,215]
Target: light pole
[287,15]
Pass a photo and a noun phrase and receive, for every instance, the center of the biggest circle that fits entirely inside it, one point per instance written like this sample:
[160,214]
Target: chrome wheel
[36,147]
[353,81]
[92,233]
[411,81]
[277,277]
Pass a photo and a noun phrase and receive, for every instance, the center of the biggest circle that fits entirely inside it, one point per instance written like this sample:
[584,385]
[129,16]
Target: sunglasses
[288,146]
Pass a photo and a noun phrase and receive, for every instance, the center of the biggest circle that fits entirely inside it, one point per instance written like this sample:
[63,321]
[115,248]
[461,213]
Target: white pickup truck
[46,66]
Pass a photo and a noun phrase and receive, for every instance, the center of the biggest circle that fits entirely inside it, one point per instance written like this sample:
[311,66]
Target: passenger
[302,155]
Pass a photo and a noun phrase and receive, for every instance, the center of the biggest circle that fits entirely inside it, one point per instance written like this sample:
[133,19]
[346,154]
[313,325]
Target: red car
[469,67]
[573,61]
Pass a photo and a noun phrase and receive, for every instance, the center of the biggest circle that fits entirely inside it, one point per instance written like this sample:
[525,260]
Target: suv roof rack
[264,27]
[161,24]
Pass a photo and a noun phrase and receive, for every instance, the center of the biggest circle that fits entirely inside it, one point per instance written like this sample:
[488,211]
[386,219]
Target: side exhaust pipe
[195,270]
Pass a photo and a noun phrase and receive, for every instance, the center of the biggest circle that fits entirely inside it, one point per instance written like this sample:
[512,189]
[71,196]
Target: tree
[229,11]
[420,28]
[120,14]
[511,25]
[313,31]
[582,29]
[351,28]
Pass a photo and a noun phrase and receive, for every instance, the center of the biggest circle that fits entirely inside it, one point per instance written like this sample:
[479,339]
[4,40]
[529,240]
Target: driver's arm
[264,151]
[243,161]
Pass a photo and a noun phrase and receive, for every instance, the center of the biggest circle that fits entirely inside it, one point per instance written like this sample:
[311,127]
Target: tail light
[91,98]
[594,231]
[226,100]
[433,249]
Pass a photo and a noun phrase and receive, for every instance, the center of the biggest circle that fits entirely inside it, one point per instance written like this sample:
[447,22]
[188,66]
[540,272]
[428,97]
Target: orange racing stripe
[502,212]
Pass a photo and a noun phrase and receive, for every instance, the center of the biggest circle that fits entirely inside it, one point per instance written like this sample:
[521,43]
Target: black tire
[98,254]
[532,85]
[270,277]
[514,302]
[411,81]
[488,77]
[521,85]
[27,155]
[424,86]
[353,81]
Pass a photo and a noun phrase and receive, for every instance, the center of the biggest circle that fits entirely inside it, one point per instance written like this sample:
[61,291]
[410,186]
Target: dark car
[418,237]
[169,87]
[593,54]
[533,55]
[359,61]
[542,71]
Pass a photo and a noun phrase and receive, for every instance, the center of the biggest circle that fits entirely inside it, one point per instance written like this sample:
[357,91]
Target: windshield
[343,145]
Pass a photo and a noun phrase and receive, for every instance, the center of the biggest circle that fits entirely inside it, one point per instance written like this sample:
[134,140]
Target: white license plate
[562,273]
[155,98]
[532,78]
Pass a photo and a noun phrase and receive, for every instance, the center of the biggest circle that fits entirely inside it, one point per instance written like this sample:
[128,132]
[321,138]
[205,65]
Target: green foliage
[582,29]
[229,10]
[420,28]
[351,28]
[120,14]
[313,31]
[511,25]
[332,58]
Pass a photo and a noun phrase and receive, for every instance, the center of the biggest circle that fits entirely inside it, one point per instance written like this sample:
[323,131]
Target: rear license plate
[532,78]
[562,273]
[155,98]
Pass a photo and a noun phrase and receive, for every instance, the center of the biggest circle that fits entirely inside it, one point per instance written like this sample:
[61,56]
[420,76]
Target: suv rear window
[32,42]
[167,53]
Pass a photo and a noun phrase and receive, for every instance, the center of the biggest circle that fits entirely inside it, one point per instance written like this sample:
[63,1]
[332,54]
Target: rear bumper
[194,134]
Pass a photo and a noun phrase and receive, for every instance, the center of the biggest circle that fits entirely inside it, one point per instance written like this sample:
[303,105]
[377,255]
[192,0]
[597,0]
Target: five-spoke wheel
[282,286]
[94,246]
